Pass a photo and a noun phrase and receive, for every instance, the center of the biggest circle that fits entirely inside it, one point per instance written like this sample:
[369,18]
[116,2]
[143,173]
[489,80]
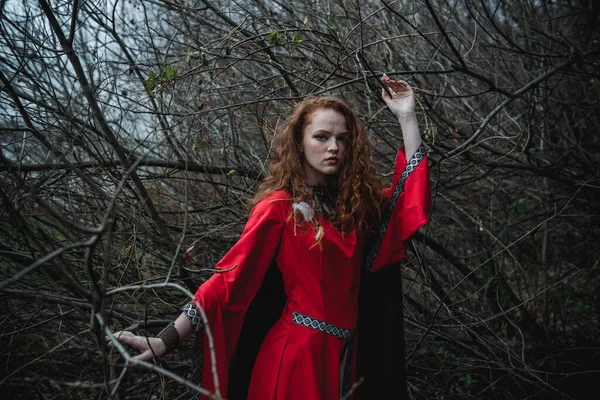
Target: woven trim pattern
[192,313]
[375,243]
[198,348]
[321,326]
[197,363]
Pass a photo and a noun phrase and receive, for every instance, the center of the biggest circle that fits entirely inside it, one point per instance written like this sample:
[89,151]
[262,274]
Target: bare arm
[402,104]
[152,347]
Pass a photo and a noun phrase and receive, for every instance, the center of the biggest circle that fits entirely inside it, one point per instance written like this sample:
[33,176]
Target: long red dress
[307,352]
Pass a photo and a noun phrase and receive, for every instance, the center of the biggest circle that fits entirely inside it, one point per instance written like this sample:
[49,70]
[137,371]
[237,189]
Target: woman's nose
[333,146]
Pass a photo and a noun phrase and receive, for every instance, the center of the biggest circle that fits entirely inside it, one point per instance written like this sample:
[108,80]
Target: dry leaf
[189,258]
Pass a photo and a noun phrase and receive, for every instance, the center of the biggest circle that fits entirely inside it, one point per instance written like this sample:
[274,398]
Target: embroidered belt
[321,326]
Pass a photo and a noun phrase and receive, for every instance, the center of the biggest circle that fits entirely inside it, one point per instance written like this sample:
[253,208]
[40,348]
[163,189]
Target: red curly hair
[359,199]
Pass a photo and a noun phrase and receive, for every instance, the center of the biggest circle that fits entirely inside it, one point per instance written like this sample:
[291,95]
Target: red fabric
[296,362]
[411,212]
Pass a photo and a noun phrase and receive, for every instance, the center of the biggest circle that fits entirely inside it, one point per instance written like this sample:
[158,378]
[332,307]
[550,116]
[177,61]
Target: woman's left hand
[402,102]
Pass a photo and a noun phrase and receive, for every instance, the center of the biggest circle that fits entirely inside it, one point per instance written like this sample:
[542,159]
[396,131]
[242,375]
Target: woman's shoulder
[276,202]
[281,194]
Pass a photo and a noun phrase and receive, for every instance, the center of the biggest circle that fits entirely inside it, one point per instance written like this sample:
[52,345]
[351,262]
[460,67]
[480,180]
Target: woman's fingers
[390,82]
[396,93]
[395,85]
[115,334]
[398,89]
[142,344]
[138,342]
[127,338]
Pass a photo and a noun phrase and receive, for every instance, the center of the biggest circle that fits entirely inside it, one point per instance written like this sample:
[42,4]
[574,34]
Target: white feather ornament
[319,234]
[304,209]
[318,237]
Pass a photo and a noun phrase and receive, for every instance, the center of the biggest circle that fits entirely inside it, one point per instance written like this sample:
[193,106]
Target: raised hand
[402,100]
[141,343]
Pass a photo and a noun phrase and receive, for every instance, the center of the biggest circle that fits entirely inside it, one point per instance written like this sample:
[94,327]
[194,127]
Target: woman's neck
[319,188]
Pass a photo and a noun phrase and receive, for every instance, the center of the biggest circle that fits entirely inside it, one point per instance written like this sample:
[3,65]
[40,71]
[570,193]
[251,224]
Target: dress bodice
[321,281]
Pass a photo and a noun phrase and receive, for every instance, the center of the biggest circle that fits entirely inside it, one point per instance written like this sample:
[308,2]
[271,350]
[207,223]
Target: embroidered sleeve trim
[374,244]
[198,348]
[190,310]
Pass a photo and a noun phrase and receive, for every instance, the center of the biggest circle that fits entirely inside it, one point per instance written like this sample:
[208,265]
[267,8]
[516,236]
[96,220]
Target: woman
[312,216]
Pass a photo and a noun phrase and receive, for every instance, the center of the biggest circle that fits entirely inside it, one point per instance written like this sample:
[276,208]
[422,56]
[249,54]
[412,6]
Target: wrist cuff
[170,337]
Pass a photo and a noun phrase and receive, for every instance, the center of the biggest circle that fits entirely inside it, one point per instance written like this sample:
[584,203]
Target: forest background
[134,130]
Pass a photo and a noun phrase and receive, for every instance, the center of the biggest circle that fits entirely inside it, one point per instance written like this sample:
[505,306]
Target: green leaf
[198,55]
[151,82]
[332,26]
[232,172]
[169,72]
[451,358]
[276,38]
[467,380]
[193,54]
[525,205]
[297,40]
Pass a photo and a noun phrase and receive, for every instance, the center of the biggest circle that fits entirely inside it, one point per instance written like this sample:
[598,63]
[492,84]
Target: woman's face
[323,145]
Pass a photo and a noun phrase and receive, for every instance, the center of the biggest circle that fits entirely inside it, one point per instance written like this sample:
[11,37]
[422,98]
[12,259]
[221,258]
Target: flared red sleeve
[409,203]
[225,297]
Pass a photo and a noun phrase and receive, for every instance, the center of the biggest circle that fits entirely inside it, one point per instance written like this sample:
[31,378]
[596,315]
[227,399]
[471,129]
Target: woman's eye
[320,137]
[341,138]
